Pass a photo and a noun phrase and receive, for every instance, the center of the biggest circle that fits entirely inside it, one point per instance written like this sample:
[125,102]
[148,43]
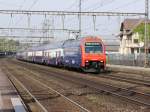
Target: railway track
[46,92]
[126,79]
[14,79]
[126,93]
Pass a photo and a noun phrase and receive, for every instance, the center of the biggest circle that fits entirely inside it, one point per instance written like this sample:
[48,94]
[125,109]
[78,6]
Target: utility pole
[146,37]
[80,19]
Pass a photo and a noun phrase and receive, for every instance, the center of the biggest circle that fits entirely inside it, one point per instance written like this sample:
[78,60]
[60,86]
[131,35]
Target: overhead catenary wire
[98,5]
[22,4]
[69,15]
[11,16]
[74,4]
[71,19]
[125,5]
[34,3]
[20,7]
[108,3]
[8,4]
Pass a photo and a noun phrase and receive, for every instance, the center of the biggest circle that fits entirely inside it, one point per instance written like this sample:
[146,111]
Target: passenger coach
[86,53]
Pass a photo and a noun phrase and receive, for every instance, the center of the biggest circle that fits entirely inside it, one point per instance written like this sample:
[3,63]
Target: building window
[132,50]
[142,50]
[136,41]
[137,50]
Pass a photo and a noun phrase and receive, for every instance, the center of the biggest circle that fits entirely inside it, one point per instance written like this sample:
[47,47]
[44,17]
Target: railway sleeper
[80,91]
[127,93]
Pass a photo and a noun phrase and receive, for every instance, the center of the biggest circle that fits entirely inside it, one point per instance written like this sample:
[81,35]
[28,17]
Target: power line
[97,5]
[7,28]
[92,26]
[8,4]
[17,36]
[125,5]
[34,2]
[72,5]
[69,13]
[91,6]
[104,4]
[20,7]
[62,13]
[22,4]
[108,3]
[71,19]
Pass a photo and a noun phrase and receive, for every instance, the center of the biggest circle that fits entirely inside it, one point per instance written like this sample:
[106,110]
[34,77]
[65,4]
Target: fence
[128,60]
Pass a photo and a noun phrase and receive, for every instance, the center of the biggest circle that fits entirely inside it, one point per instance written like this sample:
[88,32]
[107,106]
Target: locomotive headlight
[101,61]
[86,61]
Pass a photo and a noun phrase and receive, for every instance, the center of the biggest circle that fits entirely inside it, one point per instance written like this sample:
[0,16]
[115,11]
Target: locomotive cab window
[93,47]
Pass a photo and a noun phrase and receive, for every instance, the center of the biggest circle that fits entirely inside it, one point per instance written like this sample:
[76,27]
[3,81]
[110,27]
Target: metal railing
[128,60]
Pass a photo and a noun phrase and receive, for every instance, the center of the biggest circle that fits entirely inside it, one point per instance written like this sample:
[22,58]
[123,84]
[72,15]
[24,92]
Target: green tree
[8,45]
[141,30]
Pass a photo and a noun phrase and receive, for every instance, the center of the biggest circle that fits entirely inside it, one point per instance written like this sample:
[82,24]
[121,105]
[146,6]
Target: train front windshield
[93,47]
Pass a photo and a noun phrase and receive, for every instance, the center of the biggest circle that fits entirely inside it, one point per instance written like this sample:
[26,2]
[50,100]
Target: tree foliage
[141,30]
[8,45]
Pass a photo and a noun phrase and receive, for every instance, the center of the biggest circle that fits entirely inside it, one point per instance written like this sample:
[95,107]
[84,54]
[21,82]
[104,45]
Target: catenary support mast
[146,37]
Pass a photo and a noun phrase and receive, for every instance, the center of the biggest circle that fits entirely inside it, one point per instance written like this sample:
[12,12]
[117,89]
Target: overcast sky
[105,26]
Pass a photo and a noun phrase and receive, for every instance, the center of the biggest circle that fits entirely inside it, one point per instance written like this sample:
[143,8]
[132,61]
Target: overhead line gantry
[39,29]
[27,12]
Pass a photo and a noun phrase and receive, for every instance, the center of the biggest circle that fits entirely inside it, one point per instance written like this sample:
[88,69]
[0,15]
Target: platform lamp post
[146,35]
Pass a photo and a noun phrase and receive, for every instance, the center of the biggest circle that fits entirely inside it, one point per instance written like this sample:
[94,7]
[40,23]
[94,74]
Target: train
[86,54]
[7,53]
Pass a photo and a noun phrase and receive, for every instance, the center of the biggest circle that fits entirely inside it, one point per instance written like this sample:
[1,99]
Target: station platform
[129,69]
[9,98]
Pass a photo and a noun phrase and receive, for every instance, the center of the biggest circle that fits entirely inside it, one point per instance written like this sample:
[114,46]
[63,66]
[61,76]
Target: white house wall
[128,42]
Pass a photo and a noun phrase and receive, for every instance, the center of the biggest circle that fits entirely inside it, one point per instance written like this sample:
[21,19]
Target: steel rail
[41,106]
[73,102]
[125,79]
[16,90]
[83,82]
[106,88]
[97,86]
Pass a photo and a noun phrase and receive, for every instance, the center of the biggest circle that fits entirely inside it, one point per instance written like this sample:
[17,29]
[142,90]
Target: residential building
[130,41]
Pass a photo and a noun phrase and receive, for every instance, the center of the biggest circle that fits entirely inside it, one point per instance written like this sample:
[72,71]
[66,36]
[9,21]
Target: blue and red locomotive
[86,53]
